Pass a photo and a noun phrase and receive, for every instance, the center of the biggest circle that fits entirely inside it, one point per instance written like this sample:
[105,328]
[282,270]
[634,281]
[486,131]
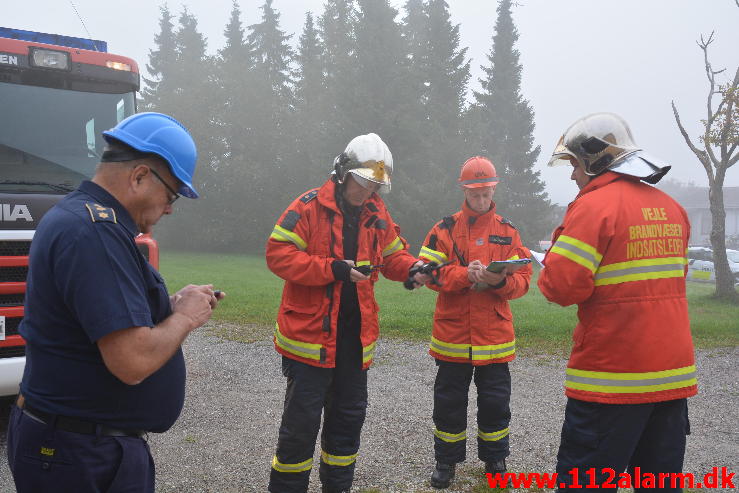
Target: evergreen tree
[189,100]
[500,126]
[162,61]
[272,179]
[234,69]
[439,74]
[310,106]
[232,125]
[336,29]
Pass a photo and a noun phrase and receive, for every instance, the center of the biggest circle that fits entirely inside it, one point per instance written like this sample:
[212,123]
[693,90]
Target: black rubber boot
[442,476]
[497,466]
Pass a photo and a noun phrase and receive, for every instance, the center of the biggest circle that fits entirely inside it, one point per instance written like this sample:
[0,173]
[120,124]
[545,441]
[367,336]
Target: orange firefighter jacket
[474,326]
[620,255]
[305,241]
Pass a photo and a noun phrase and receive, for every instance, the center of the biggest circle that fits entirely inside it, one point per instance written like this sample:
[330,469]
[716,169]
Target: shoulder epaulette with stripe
[98,213]
[506,221]
[309,196]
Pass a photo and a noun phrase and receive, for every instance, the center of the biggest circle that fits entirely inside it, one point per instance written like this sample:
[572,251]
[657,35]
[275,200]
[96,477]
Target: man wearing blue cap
[103,359]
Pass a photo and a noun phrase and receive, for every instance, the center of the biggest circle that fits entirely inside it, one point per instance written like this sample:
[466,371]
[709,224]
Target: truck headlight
[43,58]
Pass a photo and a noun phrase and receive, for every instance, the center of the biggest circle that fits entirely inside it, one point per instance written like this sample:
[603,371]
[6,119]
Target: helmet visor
[562,155]
[369,176]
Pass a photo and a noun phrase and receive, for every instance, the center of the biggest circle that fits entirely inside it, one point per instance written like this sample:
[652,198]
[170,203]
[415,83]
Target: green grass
[254,297]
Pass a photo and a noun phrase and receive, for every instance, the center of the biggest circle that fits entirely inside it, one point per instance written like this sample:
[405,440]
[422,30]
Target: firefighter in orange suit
[329,246]
[620,255]
[473,327]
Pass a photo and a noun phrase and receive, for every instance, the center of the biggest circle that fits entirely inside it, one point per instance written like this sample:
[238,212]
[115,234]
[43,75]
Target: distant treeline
[269,119]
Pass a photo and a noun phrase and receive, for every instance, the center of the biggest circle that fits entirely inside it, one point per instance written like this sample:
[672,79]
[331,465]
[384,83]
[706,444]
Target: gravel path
[225,438]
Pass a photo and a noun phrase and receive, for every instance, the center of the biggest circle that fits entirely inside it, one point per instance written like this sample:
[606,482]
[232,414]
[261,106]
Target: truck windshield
[50,138]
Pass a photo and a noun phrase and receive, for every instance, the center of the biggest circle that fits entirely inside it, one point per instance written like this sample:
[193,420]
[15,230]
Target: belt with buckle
[74,425]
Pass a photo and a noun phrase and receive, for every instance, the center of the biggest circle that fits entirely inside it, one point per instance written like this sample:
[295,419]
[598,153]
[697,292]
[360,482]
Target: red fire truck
[57,93]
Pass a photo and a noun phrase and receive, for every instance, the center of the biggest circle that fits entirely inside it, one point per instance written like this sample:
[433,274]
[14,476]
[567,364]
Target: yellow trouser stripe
[338,460]
[303,349]
[368,353]
[450,437]
[299,467]
[494,436]
[630,383]
[282,234]
[395,246]
[578,251]
[433,255]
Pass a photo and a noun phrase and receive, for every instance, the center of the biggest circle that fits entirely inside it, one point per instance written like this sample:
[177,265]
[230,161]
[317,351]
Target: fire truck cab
[57,93]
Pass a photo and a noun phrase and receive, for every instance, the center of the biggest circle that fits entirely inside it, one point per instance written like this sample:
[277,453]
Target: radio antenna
[82,21]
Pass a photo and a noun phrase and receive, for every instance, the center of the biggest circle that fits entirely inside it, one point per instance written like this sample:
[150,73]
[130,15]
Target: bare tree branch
[711,74]
[701,155]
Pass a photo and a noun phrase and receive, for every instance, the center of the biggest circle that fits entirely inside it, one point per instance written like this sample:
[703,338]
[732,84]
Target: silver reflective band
[449,349]
[485,352]
[578,251]
[631,383]
[639,270]
[480,180]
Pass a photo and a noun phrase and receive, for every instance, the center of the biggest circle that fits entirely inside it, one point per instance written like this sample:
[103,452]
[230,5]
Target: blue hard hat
[164,136]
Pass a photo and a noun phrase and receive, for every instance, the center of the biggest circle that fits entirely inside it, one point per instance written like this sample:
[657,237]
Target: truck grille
[14,248]
[13,274]
[11,325]
[12,299]
[12,351]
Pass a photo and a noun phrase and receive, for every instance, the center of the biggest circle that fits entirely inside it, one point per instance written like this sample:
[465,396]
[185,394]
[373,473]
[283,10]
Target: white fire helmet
[603,141]
[368,159]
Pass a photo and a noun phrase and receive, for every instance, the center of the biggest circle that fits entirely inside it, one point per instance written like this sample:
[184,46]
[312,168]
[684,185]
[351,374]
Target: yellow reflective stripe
[302,349]
[630,383]
[494,351]
[338,460]
[640,270]
[515,257]
[449,349]
[494,436]
[282,234]
[299,467]
[395,246]
[368,353]
[450,437]
[578,251]
[433,255]
[362,262]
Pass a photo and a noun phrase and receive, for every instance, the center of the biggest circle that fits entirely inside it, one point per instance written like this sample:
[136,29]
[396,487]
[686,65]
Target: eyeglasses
[174,196]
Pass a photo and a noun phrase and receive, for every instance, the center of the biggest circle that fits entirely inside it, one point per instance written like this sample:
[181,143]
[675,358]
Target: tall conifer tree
[162,61]
[189,100]
[310,106]
[501,125]
[336,29]
[272,156]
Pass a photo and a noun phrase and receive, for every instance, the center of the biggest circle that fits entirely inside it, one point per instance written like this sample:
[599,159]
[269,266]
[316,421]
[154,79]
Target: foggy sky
[630,57]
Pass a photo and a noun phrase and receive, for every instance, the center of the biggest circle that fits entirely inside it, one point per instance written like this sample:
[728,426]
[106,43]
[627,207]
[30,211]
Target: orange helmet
[478,172]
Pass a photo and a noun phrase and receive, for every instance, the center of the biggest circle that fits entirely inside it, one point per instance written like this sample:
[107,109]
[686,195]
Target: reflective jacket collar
[327,198]
[104,198]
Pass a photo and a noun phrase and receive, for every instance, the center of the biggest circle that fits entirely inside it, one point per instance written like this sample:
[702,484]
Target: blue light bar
[54,39]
